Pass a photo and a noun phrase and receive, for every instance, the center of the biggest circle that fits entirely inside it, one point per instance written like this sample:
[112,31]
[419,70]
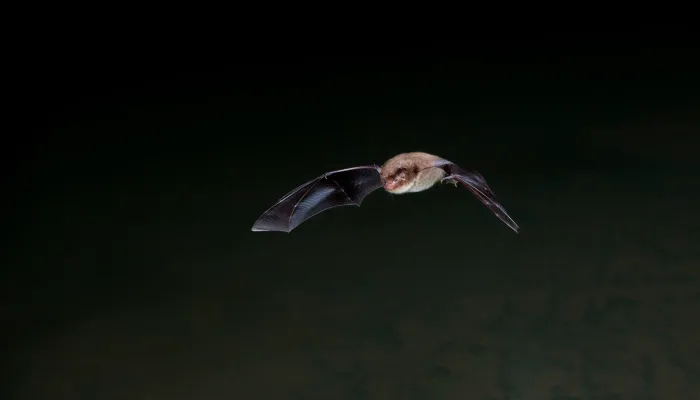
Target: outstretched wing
[472,180]
[345,187]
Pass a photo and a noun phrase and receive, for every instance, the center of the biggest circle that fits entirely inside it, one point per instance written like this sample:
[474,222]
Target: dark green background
[138,277]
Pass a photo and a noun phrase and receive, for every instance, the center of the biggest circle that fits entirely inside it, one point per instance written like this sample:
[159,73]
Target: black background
[146,162]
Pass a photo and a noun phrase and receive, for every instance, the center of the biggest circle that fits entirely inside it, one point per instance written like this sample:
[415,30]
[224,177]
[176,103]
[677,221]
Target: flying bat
[405,173]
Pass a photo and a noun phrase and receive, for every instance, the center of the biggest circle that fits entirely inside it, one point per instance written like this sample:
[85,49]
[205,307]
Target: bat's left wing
[344,187]
[475,182]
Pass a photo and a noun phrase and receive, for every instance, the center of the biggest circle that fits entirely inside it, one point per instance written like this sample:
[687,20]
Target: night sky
[134,273]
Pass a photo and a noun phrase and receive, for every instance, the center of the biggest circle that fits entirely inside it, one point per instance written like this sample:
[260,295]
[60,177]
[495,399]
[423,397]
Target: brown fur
[410,172]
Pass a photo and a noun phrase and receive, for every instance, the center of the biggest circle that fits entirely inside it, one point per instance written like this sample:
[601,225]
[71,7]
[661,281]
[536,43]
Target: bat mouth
[397,187]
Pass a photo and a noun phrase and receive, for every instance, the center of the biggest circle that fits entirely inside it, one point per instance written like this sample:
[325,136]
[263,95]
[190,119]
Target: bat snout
[397,187]
[389,185]
[393,186]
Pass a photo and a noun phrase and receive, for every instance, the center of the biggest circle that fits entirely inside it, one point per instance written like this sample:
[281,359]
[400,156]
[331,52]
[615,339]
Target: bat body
[405,173]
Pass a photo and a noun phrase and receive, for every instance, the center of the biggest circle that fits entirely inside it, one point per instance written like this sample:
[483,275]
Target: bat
[405,173]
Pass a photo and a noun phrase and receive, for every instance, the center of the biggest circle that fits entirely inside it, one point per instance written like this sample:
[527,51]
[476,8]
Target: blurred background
[134,274]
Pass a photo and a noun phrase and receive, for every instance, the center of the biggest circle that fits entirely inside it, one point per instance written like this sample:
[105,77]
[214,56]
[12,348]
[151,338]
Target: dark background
[135,274]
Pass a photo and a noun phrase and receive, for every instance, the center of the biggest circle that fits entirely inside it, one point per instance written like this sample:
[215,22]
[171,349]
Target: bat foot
[449,180]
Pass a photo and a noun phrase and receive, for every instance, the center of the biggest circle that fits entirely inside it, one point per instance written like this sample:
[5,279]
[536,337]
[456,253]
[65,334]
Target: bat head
[399,175]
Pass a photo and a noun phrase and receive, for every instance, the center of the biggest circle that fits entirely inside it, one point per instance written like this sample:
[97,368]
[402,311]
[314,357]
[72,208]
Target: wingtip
[256,229]
[516,229]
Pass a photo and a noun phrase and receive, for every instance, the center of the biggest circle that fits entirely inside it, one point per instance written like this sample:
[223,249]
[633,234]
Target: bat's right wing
[475,182]
[344,187]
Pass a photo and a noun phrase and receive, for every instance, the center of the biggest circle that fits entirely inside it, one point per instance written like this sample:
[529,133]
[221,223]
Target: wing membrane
[333,189]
